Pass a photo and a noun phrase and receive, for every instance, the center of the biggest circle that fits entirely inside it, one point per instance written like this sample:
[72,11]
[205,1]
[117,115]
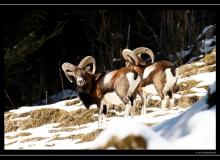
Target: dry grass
[209,68]
[210,59]
[84,137]
[111,114]
[44,116]
[11,126]
[90,136]
[186,101]
[187,85]
[188,69]
[205,87]
[129,142]
[138,107]
[187,92]
[74,136]
[151,103]
[150,124]
[158,115]
[50,115]
[79,117]
[72,102]
[34,139]
[117,108]
[22,134]
[10,143]
[191,69]
[199,69]
[10,115]
[154,103]
[49,145]
[65,129]
[25,114]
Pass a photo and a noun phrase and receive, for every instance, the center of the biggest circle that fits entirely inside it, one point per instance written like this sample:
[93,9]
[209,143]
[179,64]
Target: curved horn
[69,70]
[86,61]
[144,50]
[129,55]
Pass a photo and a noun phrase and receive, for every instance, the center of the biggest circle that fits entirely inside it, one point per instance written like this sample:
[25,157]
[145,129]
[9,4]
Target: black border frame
[110,153]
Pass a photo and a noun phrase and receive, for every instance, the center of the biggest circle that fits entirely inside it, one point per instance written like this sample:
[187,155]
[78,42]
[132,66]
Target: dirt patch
[129,142]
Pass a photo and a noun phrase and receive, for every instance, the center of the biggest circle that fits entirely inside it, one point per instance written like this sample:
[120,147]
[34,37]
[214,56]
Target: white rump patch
[108,77]
[147,71]
[133,83]
[150,89]
[170,79]
[112,98]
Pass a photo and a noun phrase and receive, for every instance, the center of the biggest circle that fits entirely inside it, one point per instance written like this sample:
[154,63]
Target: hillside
[69,125]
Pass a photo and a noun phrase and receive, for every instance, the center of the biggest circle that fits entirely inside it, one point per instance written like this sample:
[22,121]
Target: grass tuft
[22,134]
[187,85]
[129,142]
[186,101]
[49,115]
[210,59]
[33,139]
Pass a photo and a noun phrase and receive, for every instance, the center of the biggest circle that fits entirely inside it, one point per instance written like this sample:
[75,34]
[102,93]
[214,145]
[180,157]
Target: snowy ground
[189,127]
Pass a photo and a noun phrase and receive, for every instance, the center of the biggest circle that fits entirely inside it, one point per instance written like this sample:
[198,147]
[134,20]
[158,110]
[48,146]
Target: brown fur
[95,89]
[156,77]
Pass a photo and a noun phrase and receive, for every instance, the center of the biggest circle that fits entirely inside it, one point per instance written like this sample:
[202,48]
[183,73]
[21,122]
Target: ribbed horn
[129,55]
[86,61]
[69,70]
[144,50]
